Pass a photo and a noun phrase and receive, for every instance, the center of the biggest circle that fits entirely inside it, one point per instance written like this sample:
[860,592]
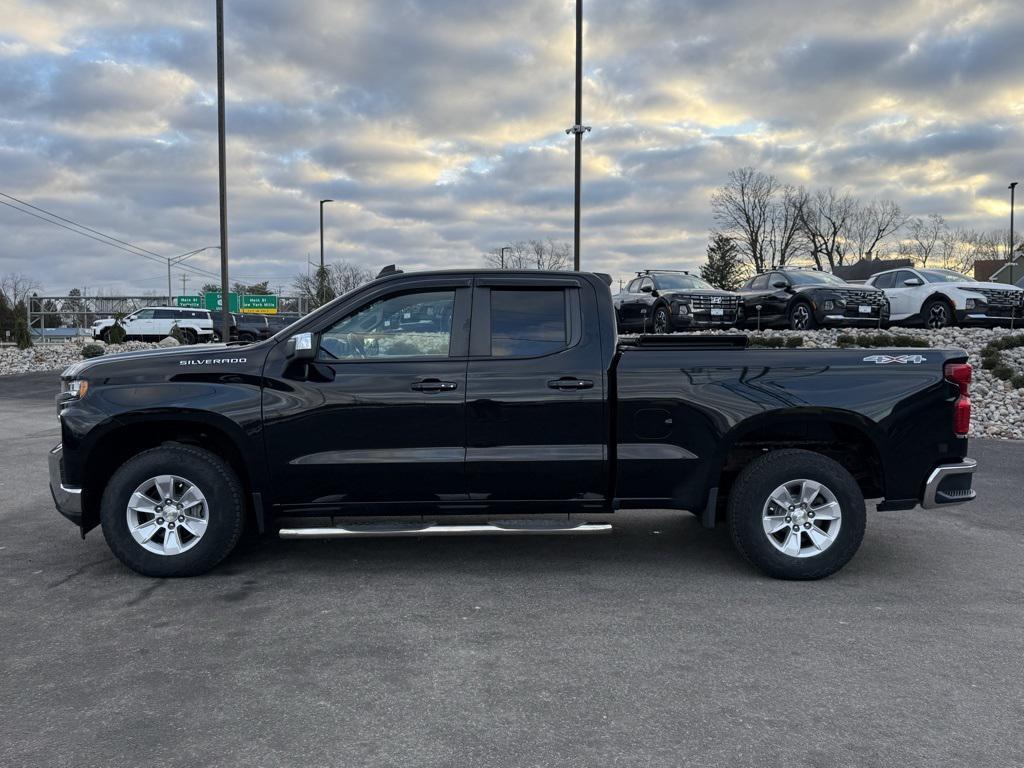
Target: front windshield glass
[669,282]
[944,276]
[813,278]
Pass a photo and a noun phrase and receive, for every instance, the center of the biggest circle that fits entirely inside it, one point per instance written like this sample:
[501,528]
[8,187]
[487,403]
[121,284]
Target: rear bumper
[67,499]
[949,484]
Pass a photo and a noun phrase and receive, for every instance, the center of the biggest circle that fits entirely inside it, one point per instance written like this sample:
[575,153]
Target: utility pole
[321,275]
[222,169]
[578,129]
[184,279]
[506,248]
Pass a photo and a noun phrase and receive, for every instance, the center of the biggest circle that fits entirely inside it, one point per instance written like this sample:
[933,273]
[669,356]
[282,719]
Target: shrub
[21,335]
[116,334]
[794,341]
[92,350]
[846,340]
[902,340]
[1017,380]
[988,363]
[1003,372]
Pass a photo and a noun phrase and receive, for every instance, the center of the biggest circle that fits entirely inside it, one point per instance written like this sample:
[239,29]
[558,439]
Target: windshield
[682,282]
[944,276]
[813,278]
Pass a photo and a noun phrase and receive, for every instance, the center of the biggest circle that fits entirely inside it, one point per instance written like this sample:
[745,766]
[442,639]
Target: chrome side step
[396,530]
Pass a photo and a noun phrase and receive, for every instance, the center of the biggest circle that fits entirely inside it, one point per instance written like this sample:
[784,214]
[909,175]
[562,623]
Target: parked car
[804,299]
[218,324]
[936,298]
[155,323]
[506,396]
[253,327]
[662,301]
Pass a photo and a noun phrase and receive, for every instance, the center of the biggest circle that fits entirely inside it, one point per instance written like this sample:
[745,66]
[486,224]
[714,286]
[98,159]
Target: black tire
[937,313]
[662,322]
[751,492]
[207,471]
[801,317]
[105,335]
[191,337]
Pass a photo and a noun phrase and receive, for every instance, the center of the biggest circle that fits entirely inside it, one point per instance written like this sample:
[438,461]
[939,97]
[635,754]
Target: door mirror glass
[780,284]
[301,347]
[913,281]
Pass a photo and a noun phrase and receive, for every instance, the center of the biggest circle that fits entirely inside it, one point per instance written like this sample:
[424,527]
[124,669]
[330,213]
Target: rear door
[536,427]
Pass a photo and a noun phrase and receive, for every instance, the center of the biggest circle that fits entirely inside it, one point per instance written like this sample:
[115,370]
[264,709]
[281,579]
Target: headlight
[830,305]
[976,303]
[684,308]
[75,389]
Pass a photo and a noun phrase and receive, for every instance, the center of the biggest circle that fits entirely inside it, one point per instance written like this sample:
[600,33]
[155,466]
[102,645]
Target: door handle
[570,383]
[434,385]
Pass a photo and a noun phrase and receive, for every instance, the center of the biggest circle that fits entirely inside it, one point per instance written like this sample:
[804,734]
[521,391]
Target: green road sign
[262,305]
[213,303]
[192,302]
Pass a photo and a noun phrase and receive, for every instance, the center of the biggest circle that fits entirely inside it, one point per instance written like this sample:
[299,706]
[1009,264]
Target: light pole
[506,248]
[578,129]
[223,174]
[1012,187]
[320,275]
[174,260]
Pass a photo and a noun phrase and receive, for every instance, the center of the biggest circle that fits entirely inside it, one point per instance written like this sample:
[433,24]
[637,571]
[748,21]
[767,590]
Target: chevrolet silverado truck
[471,402]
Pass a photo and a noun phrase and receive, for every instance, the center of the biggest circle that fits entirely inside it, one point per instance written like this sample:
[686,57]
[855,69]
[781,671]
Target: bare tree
[825,222]
[743,210]
[531,254]
[335,280]
[926,235]
[782,242]
[872,225]
[16,287]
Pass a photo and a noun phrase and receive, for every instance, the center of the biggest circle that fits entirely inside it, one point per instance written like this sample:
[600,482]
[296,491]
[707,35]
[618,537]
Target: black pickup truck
[501,402]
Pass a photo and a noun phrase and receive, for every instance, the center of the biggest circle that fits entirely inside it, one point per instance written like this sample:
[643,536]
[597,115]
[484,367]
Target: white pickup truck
[155,323]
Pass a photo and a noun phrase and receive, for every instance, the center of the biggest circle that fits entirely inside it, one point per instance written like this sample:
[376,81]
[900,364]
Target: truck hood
[987,286]
[193,355]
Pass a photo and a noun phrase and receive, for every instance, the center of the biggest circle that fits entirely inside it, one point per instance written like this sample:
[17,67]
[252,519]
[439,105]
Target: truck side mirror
[646,289]
[301,347]
[780,284]
[911,282]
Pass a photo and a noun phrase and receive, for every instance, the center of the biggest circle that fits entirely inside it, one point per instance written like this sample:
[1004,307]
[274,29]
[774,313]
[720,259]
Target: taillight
[960,374]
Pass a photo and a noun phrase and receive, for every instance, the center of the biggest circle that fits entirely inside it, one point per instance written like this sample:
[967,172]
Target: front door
[536,429]
[377,419]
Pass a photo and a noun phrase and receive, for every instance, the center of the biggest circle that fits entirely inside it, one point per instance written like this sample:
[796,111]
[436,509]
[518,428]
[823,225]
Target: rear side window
[164,314]
[527,322]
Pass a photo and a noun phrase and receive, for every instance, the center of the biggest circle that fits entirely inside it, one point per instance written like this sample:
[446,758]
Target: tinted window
[634,286]
[759,282]
[527,322]
[668,282]
[405,325]
[814,277]
[903,275]
[165,314]
[888,280]
[647,282]
[143,314]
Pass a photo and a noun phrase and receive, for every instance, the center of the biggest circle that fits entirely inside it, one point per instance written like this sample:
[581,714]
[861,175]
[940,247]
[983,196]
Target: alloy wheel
[801,518]
[167,515]
[660,320]
[801,317]
[938,316]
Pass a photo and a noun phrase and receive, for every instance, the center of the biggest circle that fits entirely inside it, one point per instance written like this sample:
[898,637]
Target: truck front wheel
[175,510]
[796,514]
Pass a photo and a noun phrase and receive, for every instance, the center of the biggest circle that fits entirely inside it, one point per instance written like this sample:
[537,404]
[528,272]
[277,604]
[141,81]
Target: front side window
[406,325]
[634,286]
[758,283]
[527,322]
[888,280]
[142,314]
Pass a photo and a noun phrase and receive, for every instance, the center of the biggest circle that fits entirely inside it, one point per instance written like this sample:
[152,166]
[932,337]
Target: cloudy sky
[438,125]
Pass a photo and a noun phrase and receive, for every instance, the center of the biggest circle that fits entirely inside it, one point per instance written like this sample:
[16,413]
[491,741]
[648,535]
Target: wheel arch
[848,437]
[128,435]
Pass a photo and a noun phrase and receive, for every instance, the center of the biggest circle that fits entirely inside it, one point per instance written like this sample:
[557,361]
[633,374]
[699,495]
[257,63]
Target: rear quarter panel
[703,401]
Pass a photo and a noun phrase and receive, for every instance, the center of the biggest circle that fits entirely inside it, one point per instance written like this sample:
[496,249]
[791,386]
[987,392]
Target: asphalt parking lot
[652,646]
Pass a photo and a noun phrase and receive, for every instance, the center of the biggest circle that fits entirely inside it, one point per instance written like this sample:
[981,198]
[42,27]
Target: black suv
[663,301]
[804,299]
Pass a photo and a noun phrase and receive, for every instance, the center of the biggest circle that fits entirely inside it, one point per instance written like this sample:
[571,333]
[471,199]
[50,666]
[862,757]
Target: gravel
[998,406]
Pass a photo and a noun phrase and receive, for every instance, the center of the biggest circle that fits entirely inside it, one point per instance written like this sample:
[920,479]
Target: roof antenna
[390,269]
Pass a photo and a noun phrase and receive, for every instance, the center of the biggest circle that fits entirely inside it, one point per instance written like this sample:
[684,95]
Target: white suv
[937,298]
[155,323]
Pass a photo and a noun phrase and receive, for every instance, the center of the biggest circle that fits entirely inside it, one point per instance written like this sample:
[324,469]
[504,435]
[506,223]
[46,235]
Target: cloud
[438,125]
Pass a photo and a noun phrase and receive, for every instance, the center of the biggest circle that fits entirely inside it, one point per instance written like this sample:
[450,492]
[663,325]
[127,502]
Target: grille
[871,298]
[727,303]
[998,298]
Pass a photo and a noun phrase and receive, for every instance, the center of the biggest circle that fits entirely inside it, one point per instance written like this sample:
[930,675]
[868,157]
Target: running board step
[395,530]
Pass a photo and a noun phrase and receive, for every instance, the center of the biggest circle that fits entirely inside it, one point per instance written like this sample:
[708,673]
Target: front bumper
[877,316]
[950,484]
[991,316]
[68,499]
[705,320]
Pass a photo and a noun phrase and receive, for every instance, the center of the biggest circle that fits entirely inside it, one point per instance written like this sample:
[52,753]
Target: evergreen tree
[723,268]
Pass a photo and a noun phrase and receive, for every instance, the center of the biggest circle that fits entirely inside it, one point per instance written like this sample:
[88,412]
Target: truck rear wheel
[175,510]
[796,514]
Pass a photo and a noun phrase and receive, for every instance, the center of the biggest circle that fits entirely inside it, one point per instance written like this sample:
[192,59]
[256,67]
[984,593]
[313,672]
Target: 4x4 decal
[902,359]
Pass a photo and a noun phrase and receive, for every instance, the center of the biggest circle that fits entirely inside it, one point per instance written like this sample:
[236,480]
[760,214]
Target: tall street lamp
[174,260]
[578,130]
[506,248]
[223,174]
[320,275]
[1012,187]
